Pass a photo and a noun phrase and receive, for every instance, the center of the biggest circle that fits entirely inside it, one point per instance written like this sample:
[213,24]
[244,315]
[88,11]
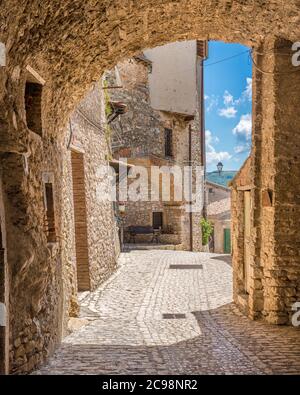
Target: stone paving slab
[128,334]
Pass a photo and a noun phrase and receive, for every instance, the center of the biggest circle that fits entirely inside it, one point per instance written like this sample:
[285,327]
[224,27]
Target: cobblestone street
[167,312]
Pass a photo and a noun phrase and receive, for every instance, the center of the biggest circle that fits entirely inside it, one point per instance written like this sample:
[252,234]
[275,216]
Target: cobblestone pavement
[201,332]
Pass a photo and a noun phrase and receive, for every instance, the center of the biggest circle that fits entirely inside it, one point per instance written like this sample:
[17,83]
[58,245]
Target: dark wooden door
[157,220]
[80,217]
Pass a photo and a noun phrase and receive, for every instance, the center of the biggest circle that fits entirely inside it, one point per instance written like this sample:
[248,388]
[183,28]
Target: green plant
[207,231]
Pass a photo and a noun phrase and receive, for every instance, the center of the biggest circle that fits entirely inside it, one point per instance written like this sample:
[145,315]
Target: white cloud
[211,102]
[240,149]
[211,154]
[247,93]
[244,128]
[228,98]
[248,90]
[229,112]
[215,157]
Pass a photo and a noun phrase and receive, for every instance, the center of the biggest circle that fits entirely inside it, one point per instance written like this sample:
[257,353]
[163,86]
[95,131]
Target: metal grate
[175,316]
[186,267]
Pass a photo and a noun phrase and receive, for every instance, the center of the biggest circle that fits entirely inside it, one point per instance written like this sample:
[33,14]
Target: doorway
[157,220]
[80,219]
[247,239]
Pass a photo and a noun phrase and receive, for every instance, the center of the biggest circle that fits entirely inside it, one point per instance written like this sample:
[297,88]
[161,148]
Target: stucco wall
[173,79]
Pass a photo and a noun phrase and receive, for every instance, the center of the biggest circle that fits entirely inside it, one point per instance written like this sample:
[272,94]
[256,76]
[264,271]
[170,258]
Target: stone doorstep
[147,247]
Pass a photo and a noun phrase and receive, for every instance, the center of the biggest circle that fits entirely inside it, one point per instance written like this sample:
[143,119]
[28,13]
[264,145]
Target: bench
[143,230]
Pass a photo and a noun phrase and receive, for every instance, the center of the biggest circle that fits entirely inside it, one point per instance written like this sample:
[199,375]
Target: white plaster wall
[173,84]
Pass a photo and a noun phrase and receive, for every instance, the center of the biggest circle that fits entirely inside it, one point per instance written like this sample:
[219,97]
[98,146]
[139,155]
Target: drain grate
[186,267]
[174,316]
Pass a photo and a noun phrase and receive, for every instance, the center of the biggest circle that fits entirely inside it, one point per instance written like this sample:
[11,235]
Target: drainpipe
[191,183]
[202,127]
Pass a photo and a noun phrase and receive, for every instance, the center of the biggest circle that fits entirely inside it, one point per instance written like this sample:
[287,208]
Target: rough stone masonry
[68,45]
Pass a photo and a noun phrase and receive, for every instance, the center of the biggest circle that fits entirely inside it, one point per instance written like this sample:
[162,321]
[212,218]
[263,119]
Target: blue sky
[228,105]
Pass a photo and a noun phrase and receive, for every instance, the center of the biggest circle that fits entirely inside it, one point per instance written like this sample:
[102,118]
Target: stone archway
[67,48]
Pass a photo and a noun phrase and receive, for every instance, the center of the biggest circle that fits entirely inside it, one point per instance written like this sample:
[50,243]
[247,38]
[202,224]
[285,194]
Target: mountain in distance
[222,179]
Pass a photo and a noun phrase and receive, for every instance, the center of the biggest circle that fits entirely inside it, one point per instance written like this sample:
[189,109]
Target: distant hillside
[223,179]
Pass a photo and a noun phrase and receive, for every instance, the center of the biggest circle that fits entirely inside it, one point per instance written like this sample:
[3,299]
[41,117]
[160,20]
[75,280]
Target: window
[33,106]
[168,142]
[33,100]
[211,190]
[157,220]
[50,214]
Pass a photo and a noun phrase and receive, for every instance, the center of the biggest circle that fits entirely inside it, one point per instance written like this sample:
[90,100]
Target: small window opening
[50,214]
[169,143]
[33,106]
[157,220]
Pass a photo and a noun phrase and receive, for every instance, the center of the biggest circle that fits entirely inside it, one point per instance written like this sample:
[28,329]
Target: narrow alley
[169,312]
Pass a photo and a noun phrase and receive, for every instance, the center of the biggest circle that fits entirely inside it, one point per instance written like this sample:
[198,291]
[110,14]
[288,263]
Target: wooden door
[157,220]
[80,217]
[247,239]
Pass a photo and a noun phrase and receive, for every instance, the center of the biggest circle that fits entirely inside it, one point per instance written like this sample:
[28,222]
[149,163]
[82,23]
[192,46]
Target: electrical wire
[226,59]
[250,53]
[271,72]
[270,50]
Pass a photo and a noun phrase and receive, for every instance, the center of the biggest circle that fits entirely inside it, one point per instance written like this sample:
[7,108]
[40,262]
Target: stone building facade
[147,136]
[69,45]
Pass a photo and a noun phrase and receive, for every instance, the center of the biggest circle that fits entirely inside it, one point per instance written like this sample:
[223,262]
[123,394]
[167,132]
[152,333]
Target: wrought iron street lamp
[220,167]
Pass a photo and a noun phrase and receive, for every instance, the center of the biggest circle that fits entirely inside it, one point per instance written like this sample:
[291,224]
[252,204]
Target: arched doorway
[71,45]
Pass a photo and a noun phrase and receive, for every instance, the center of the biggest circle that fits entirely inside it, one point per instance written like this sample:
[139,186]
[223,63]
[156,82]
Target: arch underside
[70,44]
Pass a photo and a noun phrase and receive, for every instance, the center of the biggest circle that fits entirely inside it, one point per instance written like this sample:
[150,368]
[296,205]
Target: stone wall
[86,135]
[44,302]
[242,182]
[4,350]
[274,186]
[70,44]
